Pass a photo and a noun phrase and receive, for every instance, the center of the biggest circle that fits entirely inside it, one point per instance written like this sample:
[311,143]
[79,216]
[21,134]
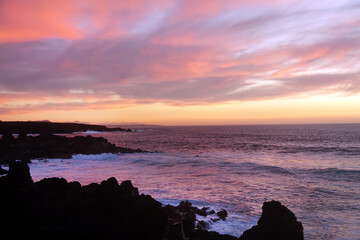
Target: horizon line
[190,124]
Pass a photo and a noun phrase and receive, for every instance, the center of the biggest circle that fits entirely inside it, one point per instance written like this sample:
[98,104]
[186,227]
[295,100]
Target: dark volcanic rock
[277,222]
[176,231]
[55,209]
[203,212]
[182,220]
[184,213]
[19,173]
[53,146]
[18,176]
[222,214]
[50,127]
[202,225]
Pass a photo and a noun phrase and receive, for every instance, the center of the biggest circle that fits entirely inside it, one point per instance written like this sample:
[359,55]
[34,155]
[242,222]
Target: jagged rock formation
[277,222]
[53,208]
[52,146]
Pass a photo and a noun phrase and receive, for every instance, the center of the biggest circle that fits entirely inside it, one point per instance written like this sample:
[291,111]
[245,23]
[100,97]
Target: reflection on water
[324,199]
[312,169]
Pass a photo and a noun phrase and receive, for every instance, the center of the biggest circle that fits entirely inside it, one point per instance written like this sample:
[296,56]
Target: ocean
[314,170]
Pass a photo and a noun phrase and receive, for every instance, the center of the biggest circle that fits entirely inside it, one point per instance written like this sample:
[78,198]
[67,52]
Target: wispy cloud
[70,54]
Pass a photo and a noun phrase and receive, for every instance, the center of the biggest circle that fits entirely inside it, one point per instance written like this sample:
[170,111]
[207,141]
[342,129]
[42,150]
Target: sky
[180,62]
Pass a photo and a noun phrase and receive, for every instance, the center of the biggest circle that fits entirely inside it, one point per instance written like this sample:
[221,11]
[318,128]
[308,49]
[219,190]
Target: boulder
[19,173]
[202,225]
[203,211]
[222,214]
[277,222]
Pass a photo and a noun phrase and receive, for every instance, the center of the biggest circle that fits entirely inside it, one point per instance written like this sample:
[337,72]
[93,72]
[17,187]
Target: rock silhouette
[54,208]
[277,222]
[19,173]
[52,146]
[44,127]
[222,214]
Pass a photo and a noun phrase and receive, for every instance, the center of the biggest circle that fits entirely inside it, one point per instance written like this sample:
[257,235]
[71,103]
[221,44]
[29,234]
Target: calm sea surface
[312,169]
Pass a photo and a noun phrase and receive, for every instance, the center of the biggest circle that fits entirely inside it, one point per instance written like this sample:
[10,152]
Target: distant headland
[46,127]
[48,145]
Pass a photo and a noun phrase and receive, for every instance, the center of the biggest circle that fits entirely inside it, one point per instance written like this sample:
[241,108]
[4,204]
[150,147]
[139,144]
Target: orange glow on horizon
[178,62]
[281,111]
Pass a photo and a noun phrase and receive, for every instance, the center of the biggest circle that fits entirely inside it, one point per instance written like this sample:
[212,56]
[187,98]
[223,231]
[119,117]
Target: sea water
[312,169]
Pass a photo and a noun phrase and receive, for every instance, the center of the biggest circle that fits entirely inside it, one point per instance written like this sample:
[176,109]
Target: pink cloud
[174,52]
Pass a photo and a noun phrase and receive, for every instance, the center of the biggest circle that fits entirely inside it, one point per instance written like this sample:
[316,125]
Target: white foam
[90,132]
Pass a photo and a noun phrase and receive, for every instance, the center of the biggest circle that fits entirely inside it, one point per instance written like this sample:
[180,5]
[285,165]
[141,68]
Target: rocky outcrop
[277,222]
[52,146]
[222,214]
[53,208]
[47,127]
[183,218]
[19,173]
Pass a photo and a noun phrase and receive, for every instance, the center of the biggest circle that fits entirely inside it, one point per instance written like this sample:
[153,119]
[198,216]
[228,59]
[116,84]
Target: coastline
[279,167]
[53,207]
[53,146]
[47,127]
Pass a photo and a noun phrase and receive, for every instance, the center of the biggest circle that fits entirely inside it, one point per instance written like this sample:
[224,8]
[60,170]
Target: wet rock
[211,212]
[47,145]
[202,212]
[202,225]
[184,213]
[189,216]
[54,208]
[277,222]
[222,214]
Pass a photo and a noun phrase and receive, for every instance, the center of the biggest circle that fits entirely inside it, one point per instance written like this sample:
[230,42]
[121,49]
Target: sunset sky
[180,62]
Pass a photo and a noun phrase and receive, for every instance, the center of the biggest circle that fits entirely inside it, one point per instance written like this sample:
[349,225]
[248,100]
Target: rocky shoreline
[47,127]
[53,146]
[53,208]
